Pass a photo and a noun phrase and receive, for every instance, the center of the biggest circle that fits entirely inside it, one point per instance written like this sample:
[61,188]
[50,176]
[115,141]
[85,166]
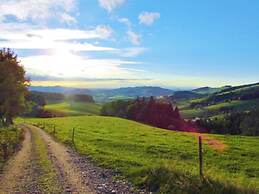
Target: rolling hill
[228,99]
[209,90]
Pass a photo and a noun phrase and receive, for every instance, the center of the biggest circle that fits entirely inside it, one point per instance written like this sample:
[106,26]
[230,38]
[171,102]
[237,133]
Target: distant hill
[185,95]
[180,96]
[59,89]
[141,91]
[243,92]
[104,95]
[227,100]
[209,90]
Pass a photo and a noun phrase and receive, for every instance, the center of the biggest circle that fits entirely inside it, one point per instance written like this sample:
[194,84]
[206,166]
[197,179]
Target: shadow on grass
[163,179]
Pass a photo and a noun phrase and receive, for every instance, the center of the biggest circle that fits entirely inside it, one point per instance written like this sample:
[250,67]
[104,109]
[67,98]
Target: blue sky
[116,43]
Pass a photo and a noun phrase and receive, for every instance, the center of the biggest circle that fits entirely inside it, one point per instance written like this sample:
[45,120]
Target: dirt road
[45,166]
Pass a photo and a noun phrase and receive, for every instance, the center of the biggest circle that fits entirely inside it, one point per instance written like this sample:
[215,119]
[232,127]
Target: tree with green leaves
[13,86]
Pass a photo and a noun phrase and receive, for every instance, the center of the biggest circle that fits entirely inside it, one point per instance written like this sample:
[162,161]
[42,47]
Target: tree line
[149,110]
[235,123]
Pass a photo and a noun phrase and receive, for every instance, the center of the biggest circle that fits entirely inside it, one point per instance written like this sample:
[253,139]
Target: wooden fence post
[200,158]
[73,137]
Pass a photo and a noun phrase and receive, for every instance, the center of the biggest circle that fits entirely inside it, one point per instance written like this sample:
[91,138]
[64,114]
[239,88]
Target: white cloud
[67,18]
[53,45]
[110,5]
[125,21]
[31,37]
[38,10]
[134,37]
[65,64]
[15,31]
[148,18]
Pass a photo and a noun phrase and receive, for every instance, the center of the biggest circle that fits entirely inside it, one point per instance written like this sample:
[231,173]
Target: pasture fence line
[53,128]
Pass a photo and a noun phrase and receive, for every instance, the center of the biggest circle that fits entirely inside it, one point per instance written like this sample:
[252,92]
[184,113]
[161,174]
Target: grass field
[161,160]
[74,108]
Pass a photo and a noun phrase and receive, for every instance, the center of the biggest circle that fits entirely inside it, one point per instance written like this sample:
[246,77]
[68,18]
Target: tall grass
[10,137]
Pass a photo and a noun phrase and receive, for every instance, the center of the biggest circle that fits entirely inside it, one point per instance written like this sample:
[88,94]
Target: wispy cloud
[125,21]
[13,31]
[131,52]
[134,37]
[110,5]
[31,37]
[38,10]
[36,77]
[68,65]
[148,18]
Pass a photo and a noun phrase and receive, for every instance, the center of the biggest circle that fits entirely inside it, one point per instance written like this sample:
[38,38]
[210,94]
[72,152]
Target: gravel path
[76,174]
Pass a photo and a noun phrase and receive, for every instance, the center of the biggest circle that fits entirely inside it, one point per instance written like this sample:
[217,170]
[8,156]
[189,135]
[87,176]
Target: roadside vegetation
[161,160]
[10,138]
[13,87]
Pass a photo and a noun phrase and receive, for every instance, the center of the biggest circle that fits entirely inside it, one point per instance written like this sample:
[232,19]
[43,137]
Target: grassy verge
[161,160]
[10,138]
[48,179]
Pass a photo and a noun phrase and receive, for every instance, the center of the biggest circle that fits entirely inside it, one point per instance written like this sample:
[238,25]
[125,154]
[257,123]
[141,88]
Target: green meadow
[160,160]
[67,108]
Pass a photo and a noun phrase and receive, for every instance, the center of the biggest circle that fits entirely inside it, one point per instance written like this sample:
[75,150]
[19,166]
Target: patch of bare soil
[214,143]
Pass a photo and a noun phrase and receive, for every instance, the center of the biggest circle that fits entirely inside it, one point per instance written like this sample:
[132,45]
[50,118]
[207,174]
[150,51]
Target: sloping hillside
[238,98]
[69,108]
[162,160]
[209,90]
